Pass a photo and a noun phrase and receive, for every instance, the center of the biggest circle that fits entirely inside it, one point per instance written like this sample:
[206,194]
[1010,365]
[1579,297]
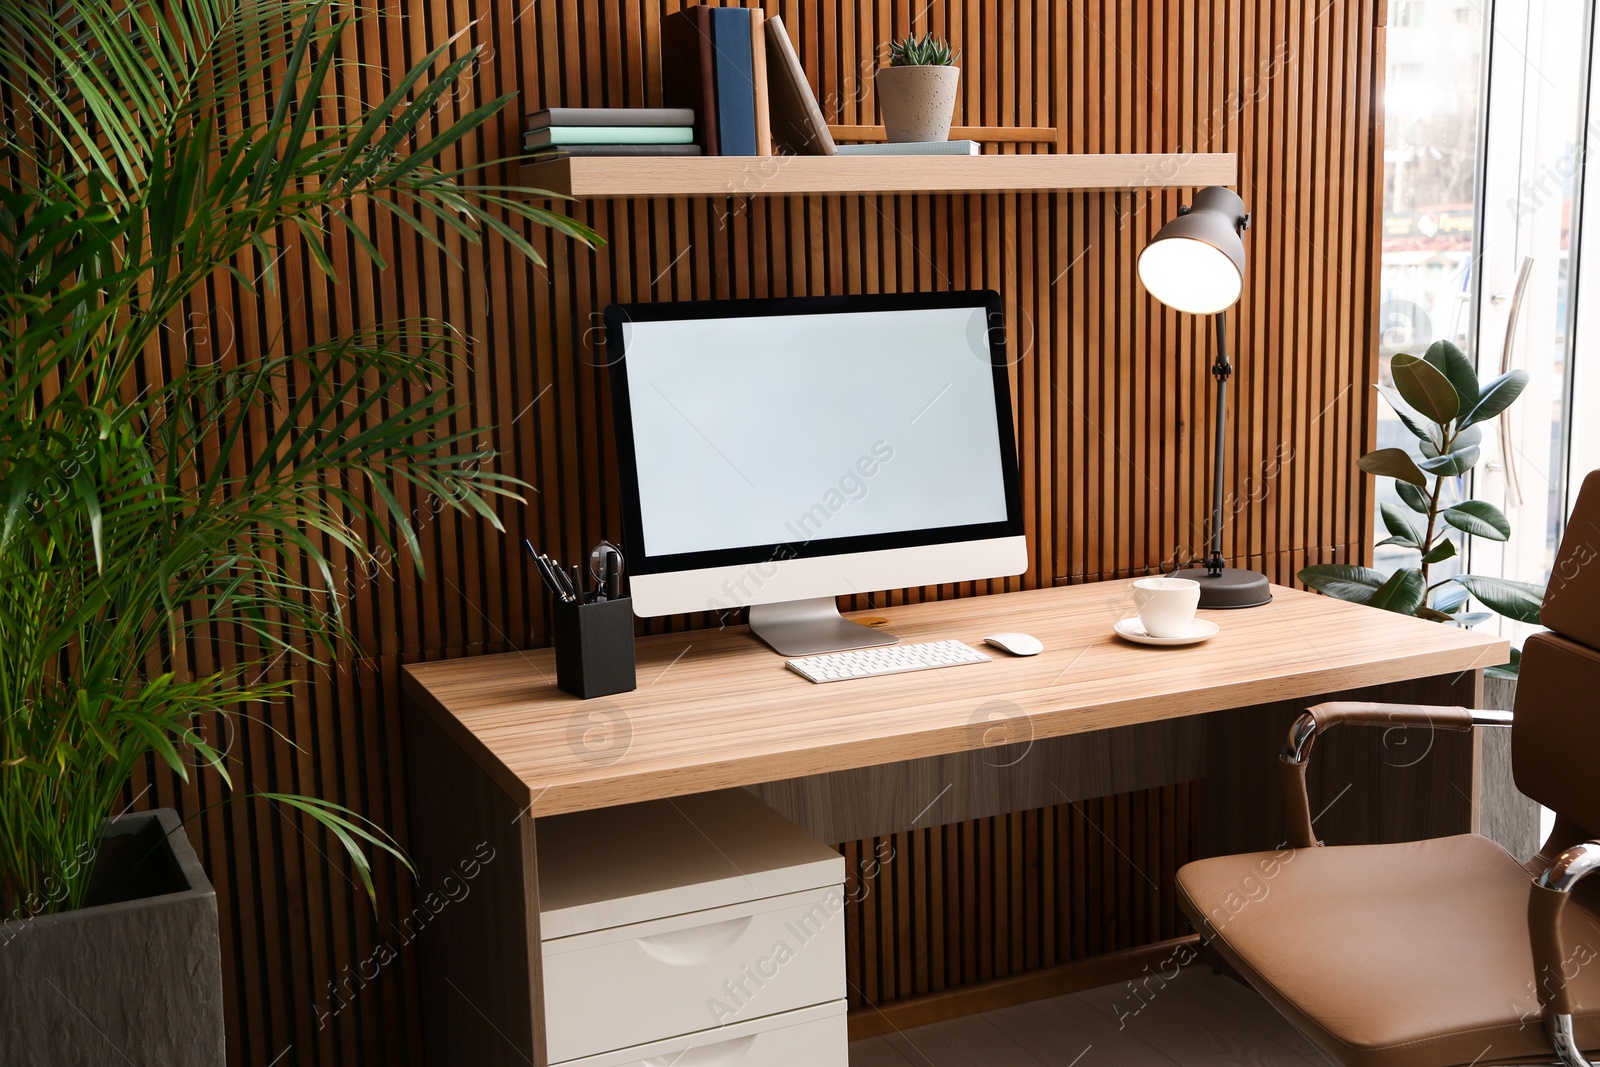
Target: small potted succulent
[917,90]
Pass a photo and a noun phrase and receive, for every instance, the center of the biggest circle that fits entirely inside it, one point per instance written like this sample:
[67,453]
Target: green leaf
[1519,601]
[1497,396]
[1507,670]
[1450,598]
[1398,523]
[350,828]
[1414,498]
[1440,552]
[1433,615]
[1472,435]
[1343,581]
[1453,465]
[1407,417]
[1457,369]
[1393,463]
[1480,519]
[1402,594]
[1425,388]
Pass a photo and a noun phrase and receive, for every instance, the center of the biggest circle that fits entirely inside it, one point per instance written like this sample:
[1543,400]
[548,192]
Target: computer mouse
[1016,644]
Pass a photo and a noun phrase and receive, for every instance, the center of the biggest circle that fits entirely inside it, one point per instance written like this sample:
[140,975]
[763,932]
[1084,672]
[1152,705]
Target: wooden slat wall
[1112,394]
[951,906]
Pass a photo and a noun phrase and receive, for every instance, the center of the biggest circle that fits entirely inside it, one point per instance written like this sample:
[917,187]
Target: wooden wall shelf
[635,176]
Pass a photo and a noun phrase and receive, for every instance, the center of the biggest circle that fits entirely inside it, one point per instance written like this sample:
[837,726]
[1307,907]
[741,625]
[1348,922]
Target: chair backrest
[1555,742]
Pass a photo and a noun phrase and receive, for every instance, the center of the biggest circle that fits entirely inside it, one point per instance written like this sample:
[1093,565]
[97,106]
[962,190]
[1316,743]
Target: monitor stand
[810,627]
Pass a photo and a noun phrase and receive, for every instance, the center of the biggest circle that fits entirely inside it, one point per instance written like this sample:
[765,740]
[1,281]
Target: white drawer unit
[701,931]
[805,1038]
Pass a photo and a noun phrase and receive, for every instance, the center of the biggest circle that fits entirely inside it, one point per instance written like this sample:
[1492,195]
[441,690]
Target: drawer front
[811,1037]
[703,971]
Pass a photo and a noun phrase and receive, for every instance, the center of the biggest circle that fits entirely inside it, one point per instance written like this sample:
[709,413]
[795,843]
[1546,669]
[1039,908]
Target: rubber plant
[170,537]
[1440,400]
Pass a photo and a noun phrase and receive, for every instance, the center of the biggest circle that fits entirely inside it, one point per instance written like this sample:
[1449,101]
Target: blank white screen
[776,430]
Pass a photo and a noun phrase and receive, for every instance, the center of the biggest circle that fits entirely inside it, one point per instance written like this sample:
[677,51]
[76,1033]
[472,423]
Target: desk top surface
[716,709]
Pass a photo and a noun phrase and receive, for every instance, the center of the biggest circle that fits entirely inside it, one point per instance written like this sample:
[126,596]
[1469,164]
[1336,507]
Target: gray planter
[918,103]
[135,976]
[1505,815]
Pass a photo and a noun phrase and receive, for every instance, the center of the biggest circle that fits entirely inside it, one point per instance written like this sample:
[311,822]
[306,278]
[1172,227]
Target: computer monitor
[775,454]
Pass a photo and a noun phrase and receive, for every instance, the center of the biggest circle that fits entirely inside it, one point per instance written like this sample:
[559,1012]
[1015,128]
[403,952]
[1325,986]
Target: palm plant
[154,145]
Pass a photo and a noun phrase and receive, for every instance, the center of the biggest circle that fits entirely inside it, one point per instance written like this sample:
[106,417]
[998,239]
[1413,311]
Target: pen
[546,574]
[558,580]
[577,584]
[613,575]
[558,575]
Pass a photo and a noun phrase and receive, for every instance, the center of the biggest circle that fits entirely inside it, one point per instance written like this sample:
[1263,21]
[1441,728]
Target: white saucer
[1132,629]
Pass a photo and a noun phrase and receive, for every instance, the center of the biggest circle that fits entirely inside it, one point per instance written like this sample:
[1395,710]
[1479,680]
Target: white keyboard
[890,659]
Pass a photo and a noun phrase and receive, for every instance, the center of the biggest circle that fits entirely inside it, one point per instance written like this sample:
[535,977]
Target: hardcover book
[568,135]
[735,80]
[689,63]
[911,148]
[758,52]
[611,116]
[576,151]
[798,126]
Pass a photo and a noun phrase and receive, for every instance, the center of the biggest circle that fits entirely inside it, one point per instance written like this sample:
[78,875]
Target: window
[1431,168]
[1487,129]
[1538,88]
[1406,13]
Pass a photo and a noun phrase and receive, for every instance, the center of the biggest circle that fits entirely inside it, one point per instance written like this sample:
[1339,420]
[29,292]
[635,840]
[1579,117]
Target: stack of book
[715,64]
[563,132]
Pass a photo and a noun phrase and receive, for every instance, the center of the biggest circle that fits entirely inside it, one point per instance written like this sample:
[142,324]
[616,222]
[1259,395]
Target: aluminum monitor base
[812,627]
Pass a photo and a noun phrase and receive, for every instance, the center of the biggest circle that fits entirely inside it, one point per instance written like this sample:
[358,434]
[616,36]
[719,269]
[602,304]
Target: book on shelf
[610,116]
[798,125]
[758,71]
[592,151]
[689,63]
[735,80]
[715,63]
[585,135]
[909,148]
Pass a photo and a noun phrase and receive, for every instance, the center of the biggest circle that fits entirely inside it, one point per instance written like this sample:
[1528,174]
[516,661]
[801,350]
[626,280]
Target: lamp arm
[1222,370]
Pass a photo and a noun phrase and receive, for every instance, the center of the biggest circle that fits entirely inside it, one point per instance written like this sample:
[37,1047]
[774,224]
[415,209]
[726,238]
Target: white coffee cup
[1166,605]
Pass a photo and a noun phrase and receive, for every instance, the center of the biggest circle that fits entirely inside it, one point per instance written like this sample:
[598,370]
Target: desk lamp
[1195,264]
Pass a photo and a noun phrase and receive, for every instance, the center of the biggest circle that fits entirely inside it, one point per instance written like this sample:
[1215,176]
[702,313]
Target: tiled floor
[1199,1019]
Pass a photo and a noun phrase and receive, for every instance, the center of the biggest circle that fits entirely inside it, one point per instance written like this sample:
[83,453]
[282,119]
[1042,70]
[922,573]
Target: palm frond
[230,503]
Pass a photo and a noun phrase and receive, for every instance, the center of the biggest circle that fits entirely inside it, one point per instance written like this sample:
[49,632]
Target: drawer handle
[685,948]
[722,1054]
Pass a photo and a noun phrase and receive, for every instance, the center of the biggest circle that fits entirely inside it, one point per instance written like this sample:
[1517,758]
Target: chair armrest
[1297,750]
[1553,968]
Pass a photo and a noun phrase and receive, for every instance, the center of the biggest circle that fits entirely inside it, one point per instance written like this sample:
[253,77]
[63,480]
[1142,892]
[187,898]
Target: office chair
[1446,952]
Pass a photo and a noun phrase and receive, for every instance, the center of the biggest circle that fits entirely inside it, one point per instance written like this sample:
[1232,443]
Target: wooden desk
[492,745]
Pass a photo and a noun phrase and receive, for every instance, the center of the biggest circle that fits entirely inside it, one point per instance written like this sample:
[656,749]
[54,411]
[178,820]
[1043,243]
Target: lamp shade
[1196,262]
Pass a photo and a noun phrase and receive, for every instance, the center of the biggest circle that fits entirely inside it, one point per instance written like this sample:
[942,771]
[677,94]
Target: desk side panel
[1366,785]
[479,954]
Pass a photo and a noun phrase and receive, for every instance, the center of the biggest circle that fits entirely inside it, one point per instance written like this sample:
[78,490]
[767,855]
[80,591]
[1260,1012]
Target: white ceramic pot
[918,102]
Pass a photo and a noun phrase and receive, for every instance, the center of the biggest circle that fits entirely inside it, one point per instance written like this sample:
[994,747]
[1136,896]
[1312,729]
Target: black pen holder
[594,648]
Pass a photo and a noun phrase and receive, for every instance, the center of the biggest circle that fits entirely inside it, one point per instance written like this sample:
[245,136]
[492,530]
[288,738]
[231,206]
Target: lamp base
[1233,588]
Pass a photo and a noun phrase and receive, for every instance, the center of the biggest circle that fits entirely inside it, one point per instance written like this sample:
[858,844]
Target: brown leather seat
[1419,954]
[1391,955]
